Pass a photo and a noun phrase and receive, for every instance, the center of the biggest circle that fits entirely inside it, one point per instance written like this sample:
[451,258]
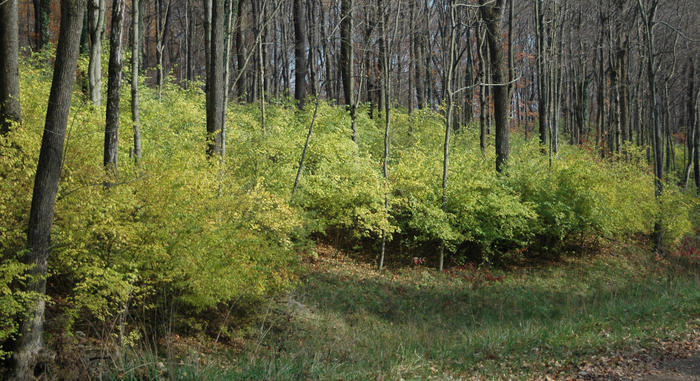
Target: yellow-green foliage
[177,223]
[206,233]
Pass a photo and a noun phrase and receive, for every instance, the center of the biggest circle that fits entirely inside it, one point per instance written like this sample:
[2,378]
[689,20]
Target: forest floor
[620,313]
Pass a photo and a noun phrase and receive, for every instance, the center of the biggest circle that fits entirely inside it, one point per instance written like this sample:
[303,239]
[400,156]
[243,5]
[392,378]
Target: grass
[348,321]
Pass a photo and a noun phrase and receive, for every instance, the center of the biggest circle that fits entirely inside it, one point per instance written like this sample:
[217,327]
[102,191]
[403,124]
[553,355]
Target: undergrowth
[185,244]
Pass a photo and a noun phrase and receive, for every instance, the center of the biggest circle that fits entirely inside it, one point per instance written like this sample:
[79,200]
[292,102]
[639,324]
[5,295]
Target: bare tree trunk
[241,50]
[162,21]
[10,110]
[263,117]
[385,49]
[114,87]
[482,90]
[346,61]
[96,20]
[448,120]
[48,172]
[541,68]
[228,38]
[648,15]
[135,118]
[215,80]
[491,14]
[299,53]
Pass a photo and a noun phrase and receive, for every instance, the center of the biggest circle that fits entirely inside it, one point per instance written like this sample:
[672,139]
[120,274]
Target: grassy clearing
[348,321]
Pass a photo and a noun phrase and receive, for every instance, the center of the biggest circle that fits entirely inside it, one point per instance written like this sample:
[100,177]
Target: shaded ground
[661,361]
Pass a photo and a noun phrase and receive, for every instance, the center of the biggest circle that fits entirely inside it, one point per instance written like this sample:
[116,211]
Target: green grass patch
[348,321]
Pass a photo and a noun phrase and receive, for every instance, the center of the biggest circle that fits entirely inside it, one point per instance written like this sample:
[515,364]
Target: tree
[9,69]
[491,12]
[299,53]
[346,61]
[448,119]
[649,20]
[96,20]
[114,86]
[136,120]
[46,185]
[215,81]
[162,21]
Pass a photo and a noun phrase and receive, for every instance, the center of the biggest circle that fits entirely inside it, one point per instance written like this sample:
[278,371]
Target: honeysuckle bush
[180,227]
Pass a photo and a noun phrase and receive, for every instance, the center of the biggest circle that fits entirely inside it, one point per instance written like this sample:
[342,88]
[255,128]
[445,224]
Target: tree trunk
[241,51]
[135,118]
[299,53]
[215,79]
[649,22]
[492,17]
[162,21]
[482,90]
[541,68]
[448,120]
[46,185]
[346,60]
[114,87]
[10,110]
[96,20]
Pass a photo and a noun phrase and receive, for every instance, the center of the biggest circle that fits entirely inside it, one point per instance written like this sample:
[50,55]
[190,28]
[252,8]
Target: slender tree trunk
[114,87]
[482,90]
[541,68]
[135,118]
[215,80]
[648,15]
[346,61]
[10,110]
[263,117]
[96,19]
[241,50]
[228,39]
[46,185]
[492,17]
[162,21]
[299,53]
[448,120]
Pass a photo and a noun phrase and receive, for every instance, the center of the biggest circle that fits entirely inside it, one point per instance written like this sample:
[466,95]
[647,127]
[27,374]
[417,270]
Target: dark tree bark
[96,20]
[299,53]
[46,185]
[482,90]
[215,79]
[346,60]
[114,87]
[541,68]
[491,14]
[9,70]
[241,50]
[648,16]
[448,119]
[135,118]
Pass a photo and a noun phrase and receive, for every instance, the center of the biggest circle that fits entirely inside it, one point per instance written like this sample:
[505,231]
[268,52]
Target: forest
[349,189]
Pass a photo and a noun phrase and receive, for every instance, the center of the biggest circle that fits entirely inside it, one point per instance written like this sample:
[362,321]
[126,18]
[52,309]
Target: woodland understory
[348,189]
